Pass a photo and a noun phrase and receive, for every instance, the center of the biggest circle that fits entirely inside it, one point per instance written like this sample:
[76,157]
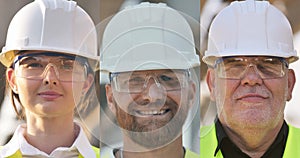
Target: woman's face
[47,85]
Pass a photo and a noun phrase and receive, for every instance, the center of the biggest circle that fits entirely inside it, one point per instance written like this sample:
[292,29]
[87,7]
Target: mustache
[251,91]
[157,104]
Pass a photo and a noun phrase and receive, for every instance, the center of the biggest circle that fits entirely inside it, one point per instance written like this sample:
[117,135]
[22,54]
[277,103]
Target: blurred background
[209,9]
[100,11]
[110,134]
[8,120]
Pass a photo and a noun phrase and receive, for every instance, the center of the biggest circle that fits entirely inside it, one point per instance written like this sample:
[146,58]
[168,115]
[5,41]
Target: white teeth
[153,112]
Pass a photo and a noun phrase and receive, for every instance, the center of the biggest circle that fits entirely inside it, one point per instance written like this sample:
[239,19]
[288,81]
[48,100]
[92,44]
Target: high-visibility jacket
[190,154]
[209,143]
[18,154]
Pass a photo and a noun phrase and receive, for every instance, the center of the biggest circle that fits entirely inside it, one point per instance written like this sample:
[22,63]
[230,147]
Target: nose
[154,90]
[50,75]
[251,76]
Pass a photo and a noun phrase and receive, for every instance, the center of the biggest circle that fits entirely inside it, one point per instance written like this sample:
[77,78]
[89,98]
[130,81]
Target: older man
[249,51]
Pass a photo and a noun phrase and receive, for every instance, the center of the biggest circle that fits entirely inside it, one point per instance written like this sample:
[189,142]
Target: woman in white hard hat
[50,63]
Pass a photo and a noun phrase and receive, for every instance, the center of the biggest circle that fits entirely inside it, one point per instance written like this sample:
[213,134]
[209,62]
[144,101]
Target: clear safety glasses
[137,81]
[36,66]
[236,67]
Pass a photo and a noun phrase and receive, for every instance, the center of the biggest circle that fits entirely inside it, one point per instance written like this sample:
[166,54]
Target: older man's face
[151,106]
[252,98]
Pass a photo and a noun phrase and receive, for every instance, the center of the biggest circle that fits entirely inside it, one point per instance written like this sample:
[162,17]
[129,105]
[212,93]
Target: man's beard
[154,133]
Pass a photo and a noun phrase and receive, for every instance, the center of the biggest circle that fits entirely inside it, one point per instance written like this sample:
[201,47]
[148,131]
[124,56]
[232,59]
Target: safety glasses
[137,81]
[236,67]
[36,65]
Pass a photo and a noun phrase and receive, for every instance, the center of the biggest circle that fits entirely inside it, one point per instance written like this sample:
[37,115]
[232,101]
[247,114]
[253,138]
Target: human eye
[233,63]
[67,67]
[269,71]
[31,63]
[271,62]
[235,67]
[136,80]
[169,78]
[270,67]
[67,64]
[165,78]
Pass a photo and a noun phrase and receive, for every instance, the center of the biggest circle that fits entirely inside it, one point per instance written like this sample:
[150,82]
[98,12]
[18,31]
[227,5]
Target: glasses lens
[35,67]
[135,82]
[173,80]
[271,68]
[235,67]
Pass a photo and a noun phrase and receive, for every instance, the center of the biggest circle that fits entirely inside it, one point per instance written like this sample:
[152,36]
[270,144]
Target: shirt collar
[83,145]
[221,136]
[12,146]
[18,142]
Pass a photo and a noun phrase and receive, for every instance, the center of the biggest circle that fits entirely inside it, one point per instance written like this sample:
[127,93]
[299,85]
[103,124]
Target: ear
[88,83]
[110,98]
[192,93]
[210,80]
[291,83]
[11,78]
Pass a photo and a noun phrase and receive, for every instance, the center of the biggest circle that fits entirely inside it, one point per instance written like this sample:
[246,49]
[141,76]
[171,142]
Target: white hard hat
[250,28]
[145,37]
[51,25]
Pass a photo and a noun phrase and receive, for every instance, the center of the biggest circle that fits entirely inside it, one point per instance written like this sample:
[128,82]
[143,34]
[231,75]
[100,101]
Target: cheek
[181,99]
[76,90]
[177,97]
[122,101]
[279,90]
[224,90]
[27,88]
[125,120]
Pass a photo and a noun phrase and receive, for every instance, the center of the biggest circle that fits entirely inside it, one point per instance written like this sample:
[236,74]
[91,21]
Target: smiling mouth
[152,112]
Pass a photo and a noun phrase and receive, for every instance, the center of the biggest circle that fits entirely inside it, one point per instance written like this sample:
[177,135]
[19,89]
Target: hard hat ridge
[250,28]
[51,25]
[55,4]
[147,33]
[251,6]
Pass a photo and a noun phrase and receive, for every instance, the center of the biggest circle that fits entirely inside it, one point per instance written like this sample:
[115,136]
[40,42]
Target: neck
[47,134]
[171,150]
[255,141]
